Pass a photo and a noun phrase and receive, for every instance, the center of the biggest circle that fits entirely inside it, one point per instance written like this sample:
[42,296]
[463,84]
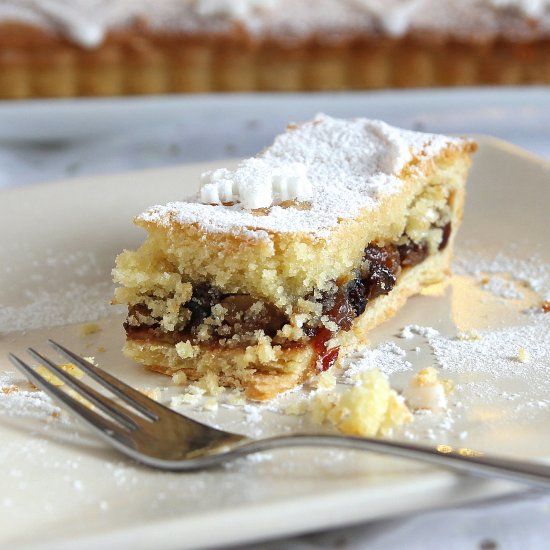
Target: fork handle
[461,459]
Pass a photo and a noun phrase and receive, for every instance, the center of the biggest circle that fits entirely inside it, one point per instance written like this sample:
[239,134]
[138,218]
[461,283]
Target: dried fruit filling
[377,275]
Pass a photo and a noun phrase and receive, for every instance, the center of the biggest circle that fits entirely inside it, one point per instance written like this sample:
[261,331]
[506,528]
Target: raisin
[412,254]
[357,295]
[201,302]
[387,256]
[239,315]
[310,331]
[328,301]
[342,312]
[346,303]
[445,237]
[140,312]
[381,265]
[380,281]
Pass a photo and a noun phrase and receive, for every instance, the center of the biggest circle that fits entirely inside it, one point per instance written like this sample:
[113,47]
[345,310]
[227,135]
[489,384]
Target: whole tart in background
[61,48]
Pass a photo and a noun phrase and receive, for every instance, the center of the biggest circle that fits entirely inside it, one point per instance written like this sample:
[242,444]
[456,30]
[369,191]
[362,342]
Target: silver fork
[155,435]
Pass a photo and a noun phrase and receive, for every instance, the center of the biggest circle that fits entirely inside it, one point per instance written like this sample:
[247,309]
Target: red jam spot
[329,359]
[325,357]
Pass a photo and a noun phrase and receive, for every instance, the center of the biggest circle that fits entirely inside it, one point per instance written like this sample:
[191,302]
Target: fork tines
[116,420]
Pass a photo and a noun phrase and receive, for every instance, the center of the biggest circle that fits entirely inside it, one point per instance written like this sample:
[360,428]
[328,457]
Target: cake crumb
[236,399]
[186,350]
[154,393]
[325,381]
[194,389]
[210,383]
[69,368]
[523,355]
[183,399]
[210,404]
[468,335]
[297,408]
[89,328]
[545,306]
[426,391]
[179,378]
[369,408]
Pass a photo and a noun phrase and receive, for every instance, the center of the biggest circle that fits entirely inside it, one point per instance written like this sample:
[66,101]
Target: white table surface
[54,140]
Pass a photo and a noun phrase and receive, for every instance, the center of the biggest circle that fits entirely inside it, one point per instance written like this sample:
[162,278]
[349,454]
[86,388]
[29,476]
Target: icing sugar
[88,21]
[351,165]
[534,273]
[72,22]
[531,8]
[394,16]
[431,397]
[254,184]
[233,8]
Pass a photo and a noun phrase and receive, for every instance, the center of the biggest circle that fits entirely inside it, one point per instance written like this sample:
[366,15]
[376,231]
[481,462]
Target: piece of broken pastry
[276,270]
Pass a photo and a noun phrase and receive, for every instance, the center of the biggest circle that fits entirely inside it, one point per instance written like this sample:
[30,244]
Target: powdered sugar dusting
[410,330]
[75,304]
[32,296]
[495,352]
[533,272]
[503,288]
[88,22]
[351,164]
[26,402]
[388,358]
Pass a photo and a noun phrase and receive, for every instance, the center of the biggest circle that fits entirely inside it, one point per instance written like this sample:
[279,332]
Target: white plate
[63,489]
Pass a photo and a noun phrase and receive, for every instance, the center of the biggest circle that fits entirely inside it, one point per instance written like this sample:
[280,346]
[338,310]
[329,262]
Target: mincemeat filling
[376,276]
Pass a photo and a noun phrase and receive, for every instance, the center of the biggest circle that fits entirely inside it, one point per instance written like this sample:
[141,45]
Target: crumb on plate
[89,328]
[523,355]
[369,408]
[427,391]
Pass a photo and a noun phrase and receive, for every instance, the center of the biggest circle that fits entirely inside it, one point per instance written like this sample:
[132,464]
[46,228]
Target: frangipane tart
[67,48]
[276,270]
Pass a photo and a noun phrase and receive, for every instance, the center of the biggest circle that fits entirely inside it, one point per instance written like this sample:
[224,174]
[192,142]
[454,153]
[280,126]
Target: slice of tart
[276,270]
